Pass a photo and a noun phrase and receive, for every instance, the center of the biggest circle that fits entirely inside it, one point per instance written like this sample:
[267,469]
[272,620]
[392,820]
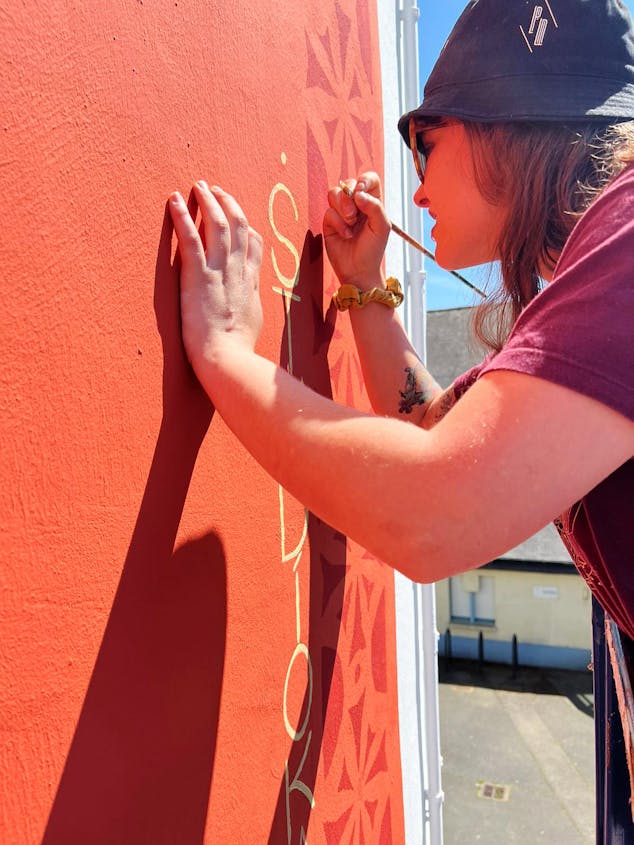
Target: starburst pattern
[343,137]
[360,783]
[359,769]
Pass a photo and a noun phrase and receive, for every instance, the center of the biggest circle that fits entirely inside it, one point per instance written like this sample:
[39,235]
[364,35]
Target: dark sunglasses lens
[418,151]
[420,156]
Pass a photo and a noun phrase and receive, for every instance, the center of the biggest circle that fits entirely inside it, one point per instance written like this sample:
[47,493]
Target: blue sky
[436,20]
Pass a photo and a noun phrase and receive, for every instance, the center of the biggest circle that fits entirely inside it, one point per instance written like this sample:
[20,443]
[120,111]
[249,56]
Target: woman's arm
[355,233]
[397,382]
[510,456]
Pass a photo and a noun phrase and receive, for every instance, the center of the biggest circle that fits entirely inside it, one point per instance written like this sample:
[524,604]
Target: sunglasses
[418,150]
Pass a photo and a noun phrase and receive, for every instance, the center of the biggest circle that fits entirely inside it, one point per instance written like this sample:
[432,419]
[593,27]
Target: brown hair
[547,175]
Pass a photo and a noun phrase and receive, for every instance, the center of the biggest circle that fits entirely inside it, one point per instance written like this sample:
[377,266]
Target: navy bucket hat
[514,60]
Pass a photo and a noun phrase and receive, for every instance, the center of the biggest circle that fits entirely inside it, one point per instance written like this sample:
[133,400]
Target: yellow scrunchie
[349,296]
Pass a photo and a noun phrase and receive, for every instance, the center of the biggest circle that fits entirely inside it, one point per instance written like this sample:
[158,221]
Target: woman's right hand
[356,230]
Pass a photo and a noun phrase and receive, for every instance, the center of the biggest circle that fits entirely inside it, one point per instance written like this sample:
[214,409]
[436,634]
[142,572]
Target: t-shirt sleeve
[463,382]
[578,331]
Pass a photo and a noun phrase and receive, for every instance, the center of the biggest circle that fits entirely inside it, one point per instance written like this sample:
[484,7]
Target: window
[472,599]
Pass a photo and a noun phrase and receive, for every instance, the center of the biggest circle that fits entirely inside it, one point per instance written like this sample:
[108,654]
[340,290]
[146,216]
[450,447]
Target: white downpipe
[423,594]
[429,637]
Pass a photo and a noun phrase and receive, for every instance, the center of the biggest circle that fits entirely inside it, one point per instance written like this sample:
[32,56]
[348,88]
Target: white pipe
[429,635]
[414,225]
[423,594]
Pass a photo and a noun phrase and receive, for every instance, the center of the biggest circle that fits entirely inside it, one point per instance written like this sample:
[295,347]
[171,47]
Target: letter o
[296,735]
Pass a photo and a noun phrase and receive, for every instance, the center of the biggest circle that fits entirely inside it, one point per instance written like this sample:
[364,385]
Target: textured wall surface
[186,655]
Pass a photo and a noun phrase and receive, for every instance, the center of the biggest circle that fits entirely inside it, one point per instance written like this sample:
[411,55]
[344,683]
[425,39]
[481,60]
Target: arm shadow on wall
[304,350]
[140,765]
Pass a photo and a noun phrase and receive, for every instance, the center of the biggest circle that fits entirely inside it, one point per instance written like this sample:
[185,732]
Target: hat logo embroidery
[538,26]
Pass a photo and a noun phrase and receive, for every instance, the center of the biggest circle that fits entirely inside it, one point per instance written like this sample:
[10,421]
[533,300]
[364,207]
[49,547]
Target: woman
[517,164]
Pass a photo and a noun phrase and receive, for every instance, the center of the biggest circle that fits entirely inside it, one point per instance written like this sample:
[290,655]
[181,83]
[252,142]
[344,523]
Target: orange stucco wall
[186,656]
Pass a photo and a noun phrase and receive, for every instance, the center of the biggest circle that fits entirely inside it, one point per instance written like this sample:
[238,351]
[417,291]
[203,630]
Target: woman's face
[467,227]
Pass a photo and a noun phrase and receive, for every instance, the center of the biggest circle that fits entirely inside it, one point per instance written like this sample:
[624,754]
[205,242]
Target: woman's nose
[420,197]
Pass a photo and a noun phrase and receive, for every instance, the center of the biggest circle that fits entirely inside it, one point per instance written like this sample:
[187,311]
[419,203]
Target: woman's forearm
[429,503]
[343,465]
[396,380]
[397,383]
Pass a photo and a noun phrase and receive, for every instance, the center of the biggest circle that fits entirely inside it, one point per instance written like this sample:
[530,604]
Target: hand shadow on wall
[140,765]
[310,335]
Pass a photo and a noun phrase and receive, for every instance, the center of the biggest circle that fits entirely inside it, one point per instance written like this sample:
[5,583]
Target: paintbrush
[413,242]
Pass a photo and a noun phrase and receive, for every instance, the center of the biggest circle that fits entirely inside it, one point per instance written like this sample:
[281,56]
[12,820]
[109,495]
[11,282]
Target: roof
[451,347]
[545,547]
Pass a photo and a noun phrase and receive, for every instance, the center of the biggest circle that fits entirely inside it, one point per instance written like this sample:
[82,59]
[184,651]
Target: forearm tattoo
[414,393]
[441,407]
[447,401]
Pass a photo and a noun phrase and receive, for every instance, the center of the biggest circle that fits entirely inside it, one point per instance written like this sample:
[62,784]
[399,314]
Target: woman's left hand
[220,302]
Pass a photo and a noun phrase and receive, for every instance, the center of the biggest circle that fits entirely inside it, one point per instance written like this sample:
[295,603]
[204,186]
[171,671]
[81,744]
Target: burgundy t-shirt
[578,333]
